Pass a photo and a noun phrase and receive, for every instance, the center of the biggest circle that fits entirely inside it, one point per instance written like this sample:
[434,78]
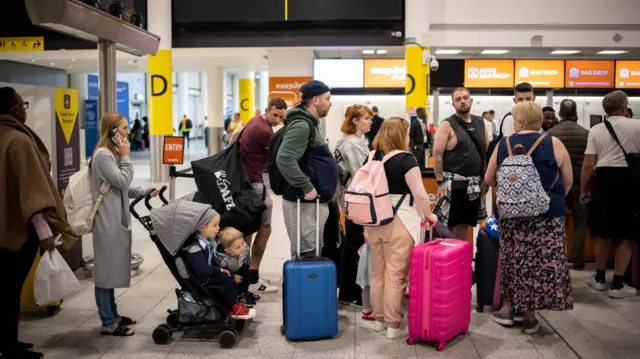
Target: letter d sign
[154,82]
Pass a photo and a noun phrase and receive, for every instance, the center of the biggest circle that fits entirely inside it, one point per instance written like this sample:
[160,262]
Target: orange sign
[287,88]
[173,150]
[589,74]
[385,73]
[540,73]
[628,74]
[488,73]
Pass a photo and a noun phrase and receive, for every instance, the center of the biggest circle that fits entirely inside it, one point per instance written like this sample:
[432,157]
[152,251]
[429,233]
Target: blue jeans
[107,309]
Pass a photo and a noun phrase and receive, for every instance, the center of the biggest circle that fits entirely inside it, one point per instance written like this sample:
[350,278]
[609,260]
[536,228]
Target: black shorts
[463,211]
[612,207]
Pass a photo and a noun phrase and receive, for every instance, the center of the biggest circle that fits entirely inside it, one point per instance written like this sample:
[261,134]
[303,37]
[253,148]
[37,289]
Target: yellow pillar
[416,90]
[161,90]
[246,92]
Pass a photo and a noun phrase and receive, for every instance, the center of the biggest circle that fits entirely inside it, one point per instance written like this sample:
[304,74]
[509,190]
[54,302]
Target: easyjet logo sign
[396,73]
[289,86]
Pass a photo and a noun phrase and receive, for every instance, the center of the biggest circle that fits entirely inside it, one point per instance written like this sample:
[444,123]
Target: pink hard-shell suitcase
[440,291]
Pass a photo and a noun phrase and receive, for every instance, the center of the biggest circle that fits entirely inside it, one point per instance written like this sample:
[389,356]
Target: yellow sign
[21,44]
[67,110]
[246,90]
[161,99]
[417,74]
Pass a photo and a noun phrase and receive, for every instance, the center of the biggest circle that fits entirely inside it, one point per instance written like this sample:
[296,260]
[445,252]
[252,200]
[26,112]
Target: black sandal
[126,321]
[119,331]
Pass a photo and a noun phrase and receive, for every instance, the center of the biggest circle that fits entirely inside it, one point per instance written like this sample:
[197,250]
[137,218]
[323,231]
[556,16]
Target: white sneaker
[263,287]
[379,326]
[624,292]
[396,333]
[600,286]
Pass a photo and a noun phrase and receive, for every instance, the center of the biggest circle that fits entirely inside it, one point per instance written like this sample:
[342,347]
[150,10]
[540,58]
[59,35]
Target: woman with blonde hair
[112,174]
[350,153]
[533,272]
[391,244]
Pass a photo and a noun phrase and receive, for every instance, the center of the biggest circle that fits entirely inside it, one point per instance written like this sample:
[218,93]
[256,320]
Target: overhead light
[495,52]
[73,59]
[33,60]
[368,52]
[70,66]
[130,62]
[53,64]
[612,52]
[448,52]
[381,52]
[565,52]
[257,76]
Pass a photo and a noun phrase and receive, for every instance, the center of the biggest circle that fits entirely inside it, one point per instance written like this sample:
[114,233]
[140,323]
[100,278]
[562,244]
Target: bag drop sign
[173,150]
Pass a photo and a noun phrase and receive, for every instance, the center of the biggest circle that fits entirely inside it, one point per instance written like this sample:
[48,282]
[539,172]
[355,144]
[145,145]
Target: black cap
[313,88]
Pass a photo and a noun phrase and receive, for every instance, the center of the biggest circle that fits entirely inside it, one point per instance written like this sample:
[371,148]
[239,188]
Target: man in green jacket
[308,167]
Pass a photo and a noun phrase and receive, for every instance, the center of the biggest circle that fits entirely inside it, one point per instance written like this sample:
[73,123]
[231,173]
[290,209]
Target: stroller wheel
[227,339]
[161,335]
[173,320]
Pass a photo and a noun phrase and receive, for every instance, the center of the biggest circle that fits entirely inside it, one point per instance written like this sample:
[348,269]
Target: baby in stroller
[233,254]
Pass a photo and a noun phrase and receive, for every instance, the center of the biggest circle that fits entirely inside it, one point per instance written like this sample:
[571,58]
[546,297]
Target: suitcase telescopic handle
[317,226]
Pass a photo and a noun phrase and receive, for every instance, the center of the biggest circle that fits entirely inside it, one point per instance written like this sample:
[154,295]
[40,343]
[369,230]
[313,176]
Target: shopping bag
[54,280]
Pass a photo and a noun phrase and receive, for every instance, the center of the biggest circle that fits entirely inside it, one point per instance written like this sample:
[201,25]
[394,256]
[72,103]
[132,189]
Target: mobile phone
[115,137]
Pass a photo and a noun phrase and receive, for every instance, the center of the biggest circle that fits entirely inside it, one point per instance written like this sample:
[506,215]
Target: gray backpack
[520,192]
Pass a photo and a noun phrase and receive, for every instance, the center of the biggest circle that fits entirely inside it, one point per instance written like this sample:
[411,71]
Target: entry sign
[21,44]
[173,150]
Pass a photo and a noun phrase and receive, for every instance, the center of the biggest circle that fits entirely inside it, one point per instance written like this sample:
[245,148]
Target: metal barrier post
[172,183]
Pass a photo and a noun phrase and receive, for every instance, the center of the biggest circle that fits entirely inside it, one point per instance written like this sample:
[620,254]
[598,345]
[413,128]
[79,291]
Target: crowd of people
[579,169]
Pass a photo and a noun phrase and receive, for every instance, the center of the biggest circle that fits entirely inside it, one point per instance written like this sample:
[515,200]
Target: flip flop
[119,331]
[126,321]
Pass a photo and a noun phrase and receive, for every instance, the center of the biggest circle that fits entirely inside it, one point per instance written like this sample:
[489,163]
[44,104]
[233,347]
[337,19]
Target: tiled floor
[598,327]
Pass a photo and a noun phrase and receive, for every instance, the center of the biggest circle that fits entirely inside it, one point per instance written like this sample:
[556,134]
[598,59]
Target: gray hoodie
[350,153]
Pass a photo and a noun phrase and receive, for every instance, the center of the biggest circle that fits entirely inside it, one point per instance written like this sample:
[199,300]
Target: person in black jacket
[376,122]
[416,137]
[574,137]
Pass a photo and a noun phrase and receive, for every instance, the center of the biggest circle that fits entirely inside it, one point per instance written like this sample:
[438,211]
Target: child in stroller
[233,254]
[175,229]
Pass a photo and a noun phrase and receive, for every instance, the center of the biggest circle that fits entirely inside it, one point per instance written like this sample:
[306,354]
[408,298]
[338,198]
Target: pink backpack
[367,199]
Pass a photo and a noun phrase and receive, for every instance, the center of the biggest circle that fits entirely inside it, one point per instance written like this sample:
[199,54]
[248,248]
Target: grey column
[107,74]
[215,108]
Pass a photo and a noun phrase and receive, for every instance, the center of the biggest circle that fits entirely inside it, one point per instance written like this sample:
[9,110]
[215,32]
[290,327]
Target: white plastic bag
[53,279]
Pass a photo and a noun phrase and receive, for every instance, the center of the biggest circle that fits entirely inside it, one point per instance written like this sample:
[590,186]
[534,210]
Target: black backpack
[276,180]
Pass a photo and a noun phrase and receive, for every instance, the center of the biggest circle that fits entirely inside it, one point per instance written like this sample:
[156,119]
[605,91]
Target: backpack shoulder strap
[535,145]
[391,154]
[500,134]
[509,148]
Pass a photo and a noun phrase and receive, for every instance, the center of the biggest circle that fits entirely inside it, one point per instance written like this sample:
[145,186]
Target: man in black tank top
[460,146]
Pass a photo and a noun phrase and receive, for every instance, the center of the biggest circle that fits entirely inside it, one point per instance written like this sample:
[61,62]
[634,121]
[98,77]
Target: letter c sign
[153,85]
[242,104]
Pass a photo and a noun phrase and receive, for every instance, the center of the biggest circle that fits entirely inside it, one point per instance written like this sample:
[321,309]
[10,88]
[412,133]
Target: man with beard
[308,166]
[459,152]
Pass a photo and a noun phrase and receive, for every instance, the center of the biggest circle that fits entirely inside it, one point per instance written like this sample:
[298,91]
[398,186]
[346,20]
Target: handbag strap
[103,191]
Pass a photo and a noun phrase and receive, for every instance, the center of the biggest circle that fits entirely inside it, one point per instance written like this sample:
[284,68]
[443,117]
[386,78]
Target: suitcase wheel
[441,346]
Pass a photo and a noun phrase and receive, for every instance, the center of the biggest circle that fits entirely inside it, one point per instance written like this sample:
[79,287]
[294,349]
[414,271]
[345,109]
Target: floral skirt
[533,270]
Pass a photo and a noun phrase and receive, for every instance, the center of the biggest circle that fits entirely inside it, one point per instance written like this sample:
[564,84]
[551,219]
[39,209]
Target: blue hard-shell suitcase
[309,298]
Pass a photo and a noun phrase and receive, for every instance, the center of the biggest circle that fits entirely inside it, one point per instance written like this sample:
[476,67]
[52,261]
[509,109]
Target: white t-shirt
[507,126]
[607,151]
[488,125]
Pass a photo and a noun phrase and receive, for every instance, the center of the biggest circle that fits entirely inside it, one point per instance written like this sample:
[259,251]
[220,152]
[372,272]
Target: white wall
[505,23]
[395,105]
[548,12]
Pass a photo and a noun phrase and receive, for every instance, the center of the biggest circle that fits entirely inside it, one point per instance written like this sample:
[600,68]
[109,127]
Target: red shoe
[241,311]
[368,316]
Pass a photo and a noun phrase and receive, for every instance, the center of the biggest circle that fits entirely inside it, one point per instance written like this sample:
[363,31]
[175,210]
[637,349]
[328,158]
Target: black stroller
[198,309]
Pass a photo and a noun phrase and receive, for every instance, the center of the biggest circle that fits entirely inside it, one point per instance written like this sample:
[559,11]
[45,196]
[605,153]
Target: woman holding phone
[111,165]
